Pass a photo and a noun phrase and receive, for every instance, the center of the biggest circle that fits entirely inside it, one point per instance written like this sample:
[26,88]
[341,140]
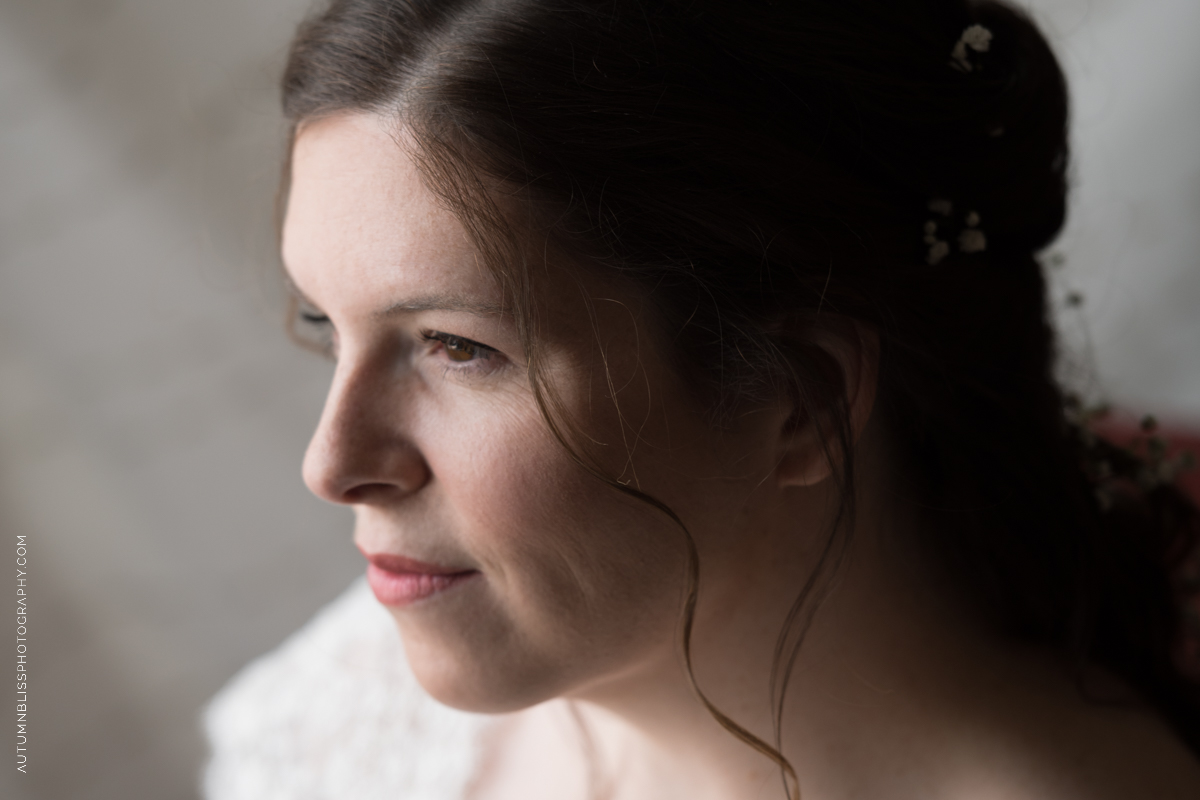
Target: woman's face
[513,574]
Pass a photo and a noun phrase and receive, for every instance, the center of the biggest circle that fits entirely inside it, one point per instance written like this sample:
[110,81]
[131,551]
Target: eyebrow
[429,302]
[441,302]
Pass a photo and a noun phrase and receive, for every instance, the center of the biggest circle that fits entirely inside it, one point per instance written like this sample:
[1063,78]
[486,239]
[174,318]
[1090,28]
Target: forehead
[360,221]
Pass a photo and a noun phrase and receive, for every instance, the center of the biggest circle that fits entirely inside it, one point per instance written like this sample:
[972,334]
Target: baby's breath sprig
[1145,463]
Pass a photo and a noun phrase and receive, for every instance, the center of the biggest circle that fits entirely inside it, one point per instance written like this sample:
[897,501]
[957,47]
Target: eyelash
[451,343]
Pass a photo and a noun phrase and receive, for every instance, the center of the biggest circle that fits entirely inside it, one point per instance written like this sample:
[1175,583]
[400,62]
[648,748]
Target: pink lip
[399,581]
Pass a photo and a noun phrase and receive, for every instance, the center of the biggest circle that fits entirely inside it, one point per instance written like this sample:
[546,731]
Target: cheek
[580,579]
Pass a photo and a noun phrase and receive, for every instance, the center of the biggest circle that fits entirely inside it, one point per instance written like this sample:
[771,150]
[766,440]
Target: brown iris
[461,349]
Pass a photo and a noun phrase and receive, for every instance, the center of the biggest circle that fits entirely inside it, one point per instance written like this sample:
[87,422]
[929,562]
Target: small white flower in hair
[938,251]
[977,38]
[969,237]
[972,240]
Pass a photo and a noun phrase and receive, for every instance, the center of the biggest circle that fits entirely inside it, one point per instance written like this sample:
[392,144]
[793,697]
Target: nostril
[366,492]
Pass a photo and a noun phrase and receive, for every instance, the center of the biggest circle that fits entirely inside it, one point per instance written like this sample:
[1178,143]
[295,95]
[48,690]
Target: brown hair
[757,161]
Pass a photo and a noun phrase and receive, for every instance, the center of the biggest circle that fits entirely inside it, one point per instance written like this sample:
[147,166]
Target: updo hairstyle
[761,168]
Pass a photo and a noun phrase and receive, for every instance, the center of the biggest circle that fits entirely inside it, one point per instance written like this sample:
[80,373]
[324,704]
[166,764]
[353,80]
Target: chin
[481,679]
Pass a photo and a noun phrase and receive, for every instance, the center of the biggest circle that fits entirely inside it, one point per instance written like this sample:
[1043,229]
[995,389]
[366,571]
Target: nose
[360,453]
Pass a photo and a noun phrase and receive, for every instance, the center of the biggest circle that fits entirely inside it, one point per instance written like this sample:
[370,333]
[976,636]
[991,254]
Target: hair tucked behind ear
[757,164]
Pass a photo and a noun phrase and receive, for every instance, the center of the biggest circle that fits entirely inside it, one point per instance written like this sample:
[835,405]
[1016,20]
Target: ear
[851,348]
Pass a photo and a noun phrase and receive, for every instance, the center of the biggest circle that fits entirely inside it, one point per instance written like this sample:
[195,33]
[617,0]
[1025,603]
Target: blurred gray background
[153,414]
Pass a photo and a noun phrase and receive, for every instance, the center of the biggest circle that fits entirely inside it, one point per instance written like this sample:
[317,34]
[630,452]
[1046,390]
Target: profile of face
[514,575]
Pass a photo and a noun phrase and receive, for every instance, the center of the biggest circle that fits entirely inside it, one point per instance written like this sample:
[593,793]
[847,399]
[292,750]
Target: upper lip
[403,564]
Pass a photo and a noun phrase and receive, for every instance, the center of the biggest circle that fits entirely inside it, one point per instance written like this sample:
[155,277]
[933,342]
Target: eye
[311,328]
[458,349]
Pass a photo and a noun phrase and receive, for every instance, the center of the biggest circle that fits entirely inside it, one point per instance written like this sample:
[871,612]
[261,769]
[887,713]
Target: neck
[880,659]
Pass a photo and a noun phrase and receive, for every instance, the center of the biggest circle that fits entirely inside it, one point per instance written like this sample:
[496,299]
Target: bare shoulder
[1060,745]
[1128,752]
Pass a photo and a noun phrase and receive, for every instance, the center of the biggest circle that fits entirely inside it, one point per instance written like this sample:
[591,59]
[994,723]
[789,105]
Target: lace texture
[335,713]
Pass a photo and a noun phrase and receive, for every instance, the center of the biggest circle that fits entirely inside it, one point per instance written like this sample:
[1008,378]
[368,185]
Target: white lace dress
[335,714]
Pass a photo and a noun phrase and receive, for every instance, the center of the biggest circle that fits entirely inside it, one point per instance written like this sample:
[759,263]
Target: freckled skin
[432,434]
[450,461]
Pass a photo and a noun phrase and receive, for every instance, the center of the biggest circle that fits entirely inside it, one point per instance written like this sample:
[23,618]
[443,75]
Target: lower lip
[402,588]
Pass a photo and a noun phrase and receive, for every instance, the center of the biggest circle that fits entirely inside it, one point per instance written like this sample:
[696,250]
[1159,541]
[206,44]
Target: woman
[694,397]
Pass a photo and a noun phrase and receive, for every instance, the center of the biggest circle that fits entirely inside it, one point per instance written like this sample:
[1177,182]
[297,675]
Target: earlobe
[810,439]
